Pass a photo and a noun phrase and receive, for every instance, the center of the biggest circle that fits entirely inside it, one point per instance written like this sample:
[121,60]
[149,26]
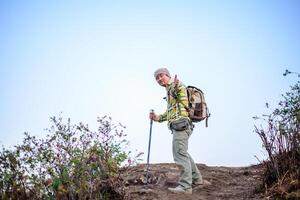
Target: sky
[87,59]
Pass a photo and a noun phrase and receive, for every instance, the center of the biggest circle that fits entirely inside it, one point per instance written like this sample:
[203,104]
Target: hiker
[181,127]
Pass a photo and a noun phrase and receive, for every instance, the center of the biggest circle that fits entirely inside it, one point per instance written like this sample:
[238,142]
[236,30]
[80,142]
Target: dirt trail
[226,183]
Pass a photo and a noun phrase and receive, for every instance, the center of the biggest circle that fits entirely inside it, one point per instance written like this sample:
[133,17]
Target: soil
[226,183]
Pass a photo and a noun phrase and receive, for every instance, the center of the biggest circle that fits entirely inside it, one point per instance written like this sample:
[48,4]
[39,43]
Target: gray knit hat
[162,71]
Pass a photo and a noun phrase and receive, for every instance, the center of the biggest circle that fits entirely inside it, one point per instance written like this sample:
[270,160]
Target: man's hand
[176,82]
[153,116]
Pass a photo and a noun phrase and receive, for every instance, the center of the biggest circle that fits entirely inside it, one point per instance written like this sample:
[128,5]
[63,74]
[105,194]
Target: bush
[281,140]
[72,162]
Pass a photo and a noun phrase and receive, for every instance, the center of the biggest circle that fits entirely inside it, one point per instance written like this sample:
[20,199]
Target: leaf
[56,183]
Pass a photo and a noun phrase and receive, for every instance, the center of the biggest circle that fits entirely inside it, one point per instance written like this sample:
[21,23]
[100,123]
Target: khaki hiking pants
[187,166]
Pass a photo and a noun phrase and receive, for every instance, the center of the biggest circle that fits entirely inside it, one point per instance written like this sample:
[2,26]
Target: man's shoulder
[172,88]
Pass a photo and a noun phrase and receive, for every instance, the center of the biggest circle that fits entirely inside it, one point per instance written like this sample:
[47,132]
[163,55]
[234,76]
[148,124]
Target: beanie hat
[162,71]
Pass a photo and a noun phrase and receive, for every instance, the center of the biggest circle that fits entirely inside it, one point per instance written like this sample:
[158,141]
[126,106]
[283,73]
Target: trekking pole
[149,144]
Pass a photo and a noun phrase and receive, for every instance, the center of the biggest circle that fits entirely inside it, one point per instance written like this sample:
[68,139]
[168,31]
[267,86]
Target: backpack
[197,107]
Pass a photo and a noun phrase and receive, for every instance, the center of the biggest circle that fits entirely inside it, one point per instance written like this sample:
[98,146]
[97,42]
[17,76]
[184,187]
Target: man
[181,127]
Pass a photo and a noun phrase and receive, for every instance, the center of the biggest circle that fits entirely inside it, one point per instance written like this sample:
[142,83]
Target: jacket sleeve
[162,117]
[182,96]
[181,100]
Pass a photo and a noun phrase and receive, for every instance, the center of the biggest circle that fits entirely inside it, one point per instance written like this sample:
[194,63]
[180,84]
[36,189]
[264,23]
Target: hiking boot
[180,190]
[200,182]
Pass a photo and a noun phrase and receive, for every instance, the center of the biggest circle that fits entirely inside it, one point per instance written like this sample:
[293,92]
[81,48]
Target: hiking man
[181,127]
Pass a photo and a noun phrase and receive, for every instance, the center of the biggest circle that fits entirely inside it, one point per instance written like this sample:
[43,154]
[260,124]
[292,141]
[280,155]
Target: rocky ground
[226,183]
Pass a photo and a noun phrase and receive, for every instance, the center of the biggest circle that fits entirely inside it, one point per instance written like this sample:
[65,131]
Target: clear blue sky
[96,58]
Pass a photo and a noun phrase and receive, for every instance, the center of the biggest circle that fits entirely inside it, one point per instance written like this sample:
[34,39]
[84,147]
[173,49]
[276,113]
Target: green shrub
[71,162]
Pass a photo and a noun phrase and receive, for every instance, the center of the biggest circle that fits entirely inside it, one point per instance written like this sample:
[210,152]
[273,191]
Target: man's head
[162,76]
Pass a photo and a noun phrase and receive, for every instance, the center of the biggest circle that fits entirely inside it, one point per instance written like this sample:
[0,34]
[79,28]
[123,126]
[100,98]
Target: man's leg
[196,175]
[182,158]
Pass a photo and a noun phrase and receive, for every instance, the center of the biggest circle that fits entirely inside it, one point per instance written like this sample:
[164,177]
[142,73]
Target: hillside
[226,183]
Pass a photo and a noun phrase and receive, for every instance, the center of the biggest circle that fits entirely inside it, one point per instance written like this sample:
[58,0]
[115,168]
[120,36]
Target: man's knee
[181,154]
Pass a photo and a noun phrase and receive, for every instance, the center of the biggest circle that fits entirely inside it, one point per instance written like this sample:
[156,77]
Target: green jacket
[176,108]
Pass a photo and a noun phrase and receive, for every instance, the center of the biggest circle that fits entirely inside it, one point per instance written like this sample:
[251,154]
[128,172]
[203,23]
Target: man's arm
[158,118]
[182,95]
[162,117]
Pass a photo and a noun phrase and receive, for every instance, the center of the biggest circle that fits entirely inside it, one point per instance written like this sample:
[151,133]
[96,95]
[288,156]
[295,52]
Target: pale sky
[94,58]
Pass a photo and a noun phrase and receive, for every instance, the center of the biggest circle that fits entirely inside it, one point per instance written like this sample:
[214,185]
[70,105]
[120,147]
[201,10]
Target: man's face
[162,79]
